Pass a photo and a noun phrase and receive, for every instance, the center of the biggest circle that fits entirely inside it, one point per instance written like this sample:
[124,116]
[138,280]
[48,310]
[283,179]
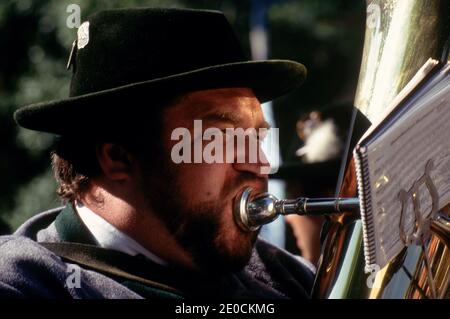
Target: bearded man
[137,224]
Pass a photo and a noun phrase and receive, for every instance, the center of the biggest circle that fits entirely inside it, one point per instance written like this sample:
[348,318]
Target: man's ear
[115,161]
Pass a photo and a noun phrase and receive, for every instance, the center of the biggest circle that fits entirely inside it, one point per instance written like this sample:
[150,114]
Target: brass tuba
[400,37]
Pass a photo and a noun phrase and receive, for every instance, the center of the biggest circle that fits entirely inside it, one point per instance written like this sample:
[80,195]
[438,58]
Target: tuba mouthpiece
[264,208]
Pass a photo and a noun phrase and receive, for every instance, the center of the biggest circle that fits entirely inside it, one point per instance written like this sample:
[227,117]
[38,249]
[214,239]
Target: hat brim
[269,79]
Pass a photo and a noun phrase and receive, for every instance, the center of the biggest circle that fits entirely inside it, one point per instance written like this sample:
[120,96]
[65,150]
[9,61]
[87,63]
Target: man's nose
[256,164]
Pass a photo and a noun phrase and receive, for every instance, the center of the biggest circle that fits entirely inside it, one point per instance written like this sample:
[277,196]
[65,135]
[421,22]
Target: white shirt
[108,236]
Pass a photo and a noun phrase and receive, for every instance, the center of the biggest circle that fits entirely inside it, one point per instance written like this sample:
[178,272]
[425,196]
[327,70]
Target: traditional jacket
[44,256]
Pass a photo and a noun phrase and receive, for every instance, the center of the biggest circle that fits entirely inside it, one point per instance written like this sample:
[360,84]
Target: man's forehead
[236,104]
[220,100]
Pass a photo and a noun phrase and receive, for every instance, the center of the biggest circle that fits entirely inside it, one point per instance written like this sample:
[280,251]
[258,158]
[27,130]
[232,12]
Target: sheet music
[397,159]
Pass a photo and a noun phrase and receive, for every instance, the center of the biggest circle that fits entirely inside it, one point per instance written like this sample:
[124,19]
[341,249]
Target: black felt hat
[127,61]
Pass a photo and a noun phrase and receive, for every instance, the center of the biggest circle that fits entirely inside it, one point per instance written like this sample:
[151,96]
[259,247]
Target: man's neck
[141,226]
[108,236]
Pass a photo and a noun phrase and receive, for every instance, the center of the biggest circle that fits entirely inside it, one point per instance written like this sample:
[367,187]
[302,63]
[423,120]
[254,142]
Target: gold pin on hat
[81,41]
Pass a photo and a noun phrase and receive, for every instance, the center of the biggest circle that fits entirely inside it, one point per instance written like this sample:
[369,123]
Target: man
[137,224]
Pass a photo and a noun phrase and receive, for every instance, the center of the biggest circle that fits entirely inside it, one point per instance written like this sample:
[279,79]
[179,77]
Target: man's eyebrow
[230,117]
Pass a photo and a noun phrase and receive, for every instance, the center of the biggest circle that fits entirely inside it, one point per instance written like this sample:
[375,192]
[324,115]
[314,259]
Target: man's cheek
[234,233]
[203,181]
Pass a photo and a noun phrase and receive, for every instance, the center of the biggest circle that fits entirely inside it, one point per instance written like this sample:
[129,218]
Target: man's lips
[255,191]
[257,188]
[236,202]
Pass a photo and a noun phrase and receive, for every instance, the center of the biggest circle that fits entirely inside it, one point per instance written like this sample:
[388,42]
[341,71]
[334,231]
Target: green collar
[70,227]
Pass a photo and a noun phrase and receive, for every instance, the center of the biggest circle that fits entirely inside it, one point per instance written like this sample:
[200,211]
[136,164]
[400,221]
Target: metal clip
[421,228]
[71,60]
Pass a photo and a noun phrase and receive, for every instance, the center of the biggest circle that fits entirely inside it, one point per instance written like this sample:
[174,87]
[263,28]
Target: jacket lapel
[135,272]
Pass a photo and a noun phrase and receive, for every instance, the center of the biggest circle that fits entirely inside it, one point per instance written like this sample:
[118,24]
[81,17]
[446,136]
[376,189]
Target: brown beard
[199,228]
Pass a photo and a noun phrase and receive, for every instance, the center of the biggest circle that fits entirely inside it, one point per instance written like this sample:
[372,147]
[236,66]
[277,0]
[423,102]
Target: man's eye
[228,130]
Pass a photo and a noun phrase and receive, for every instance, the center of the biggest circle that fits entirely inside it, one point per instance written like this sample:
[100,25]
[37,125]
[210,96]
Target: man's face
[195,200]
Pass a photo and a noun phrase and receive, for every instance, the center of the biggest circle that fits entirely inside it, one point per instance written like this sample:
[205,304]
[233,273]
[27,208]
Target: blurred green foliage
[325,35]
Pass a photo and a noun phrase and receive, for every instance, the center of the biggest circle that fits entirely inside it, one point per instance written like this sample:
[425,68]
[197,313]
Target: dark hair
[74,163]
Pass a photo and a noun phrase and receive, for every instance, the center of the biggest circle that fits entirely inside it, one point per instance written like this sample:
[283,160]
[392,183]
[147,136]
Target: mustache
[259,184]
